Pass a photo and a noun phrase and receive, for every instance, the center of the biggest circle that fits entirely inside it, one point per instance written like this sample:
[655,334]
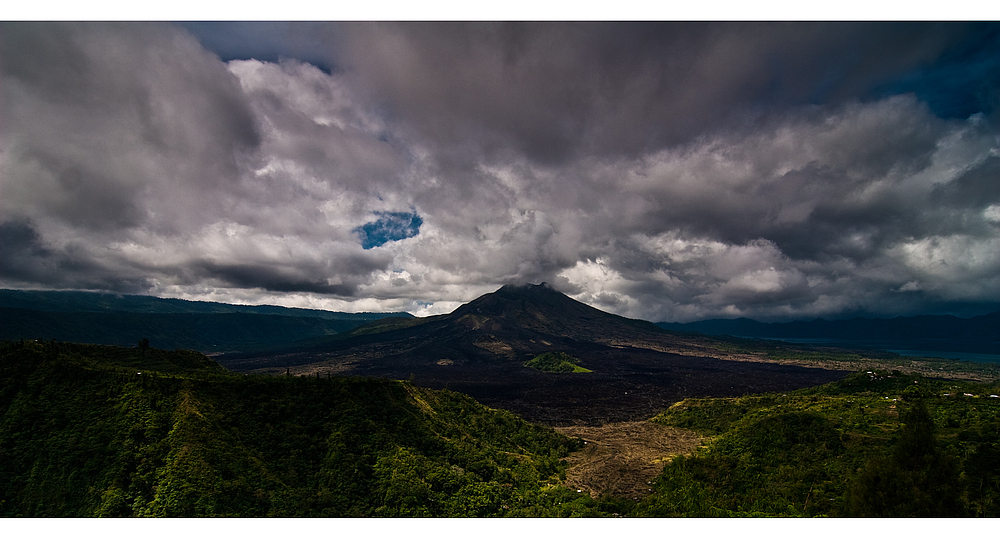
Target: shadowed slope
[90,430]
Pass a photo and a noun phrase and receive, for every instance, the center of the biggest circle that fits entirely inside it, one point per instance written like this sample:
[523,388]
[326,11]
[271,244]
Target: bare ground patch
[622,459]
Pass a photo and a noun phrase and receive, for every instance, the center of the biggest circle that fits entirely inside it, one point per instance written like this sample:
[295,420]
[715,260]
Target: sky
[669,171]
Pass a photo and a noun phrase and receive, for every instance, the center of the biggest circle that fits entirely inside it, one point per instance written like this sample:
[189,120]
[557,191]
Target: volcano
[637,369]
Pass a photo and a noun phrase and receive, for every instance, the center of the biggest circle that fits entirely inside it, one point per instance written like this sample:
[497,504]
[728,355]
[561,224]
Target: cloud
[778,221]
[22,251]
[145,163]
[115,126]
[556,91]
[663,171]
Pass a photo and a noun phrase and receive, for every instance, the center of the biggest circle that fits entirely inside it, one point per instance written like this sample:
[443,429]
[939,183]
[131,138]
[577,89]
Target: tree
[917,480]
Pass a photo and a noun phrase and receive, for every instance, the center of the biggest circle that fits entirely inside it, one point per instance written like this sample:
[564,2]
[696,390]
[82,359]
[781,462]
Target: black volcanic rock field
[626,385]
[480,349]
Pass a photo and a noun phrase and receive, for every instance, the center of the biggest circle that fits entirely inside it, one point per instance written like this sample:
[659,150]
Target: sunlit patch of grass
[557,362]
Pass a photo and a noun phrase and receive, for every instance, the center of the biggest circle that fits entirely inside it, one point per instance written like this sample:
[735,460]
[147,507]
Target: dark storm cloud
[26,261]
[553,91]
[977,187]
[270,279]
[21,251]
[106,123]
[670,171]
[739,132]
[136,153]
[811,214]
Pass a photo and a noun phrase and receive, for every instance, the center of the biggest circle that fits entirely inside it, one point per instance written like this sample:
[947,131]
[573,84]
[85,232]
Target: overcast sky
[665,171]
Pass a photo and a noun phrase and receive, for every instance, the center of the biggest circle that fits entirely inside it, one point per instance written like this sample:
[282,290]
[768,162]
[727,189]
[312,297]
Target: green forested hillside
[879,444]
[90,430]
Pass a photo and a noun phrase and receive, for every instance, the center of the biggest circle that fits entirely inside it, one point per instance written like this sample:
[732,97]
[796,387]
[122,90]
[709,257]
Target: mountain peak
[527,288]
[541,308]
[521,297]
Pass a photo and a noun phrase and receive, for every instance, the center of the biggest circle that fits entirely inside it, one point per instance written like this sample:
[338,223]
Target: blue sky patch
[390,226]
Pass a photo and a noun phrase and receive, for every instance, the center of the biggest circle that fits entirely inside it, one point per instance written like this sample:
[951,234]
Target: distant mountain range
[211,327]
[979,333]
[123,320]
[72,301]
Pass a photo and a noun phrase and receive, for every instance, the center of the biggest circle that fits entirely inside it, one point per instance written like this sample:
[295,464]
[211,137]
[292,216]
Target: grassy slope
[556,362]
[858,447]
[82,433]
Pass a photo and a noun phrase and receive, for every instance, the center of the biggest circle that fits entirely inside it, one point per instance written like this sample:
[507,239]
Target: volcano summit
[481,349]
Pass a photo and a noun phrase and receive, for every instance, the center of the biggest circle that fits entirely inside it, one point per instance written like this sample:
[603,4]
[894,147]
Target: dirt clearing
[622,459]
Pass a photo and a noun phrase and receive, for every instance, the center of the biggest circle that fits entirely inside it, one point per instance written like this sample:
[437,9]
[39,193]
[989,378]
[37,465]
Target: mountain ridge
[101,318]
[85,301]
[983,331]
